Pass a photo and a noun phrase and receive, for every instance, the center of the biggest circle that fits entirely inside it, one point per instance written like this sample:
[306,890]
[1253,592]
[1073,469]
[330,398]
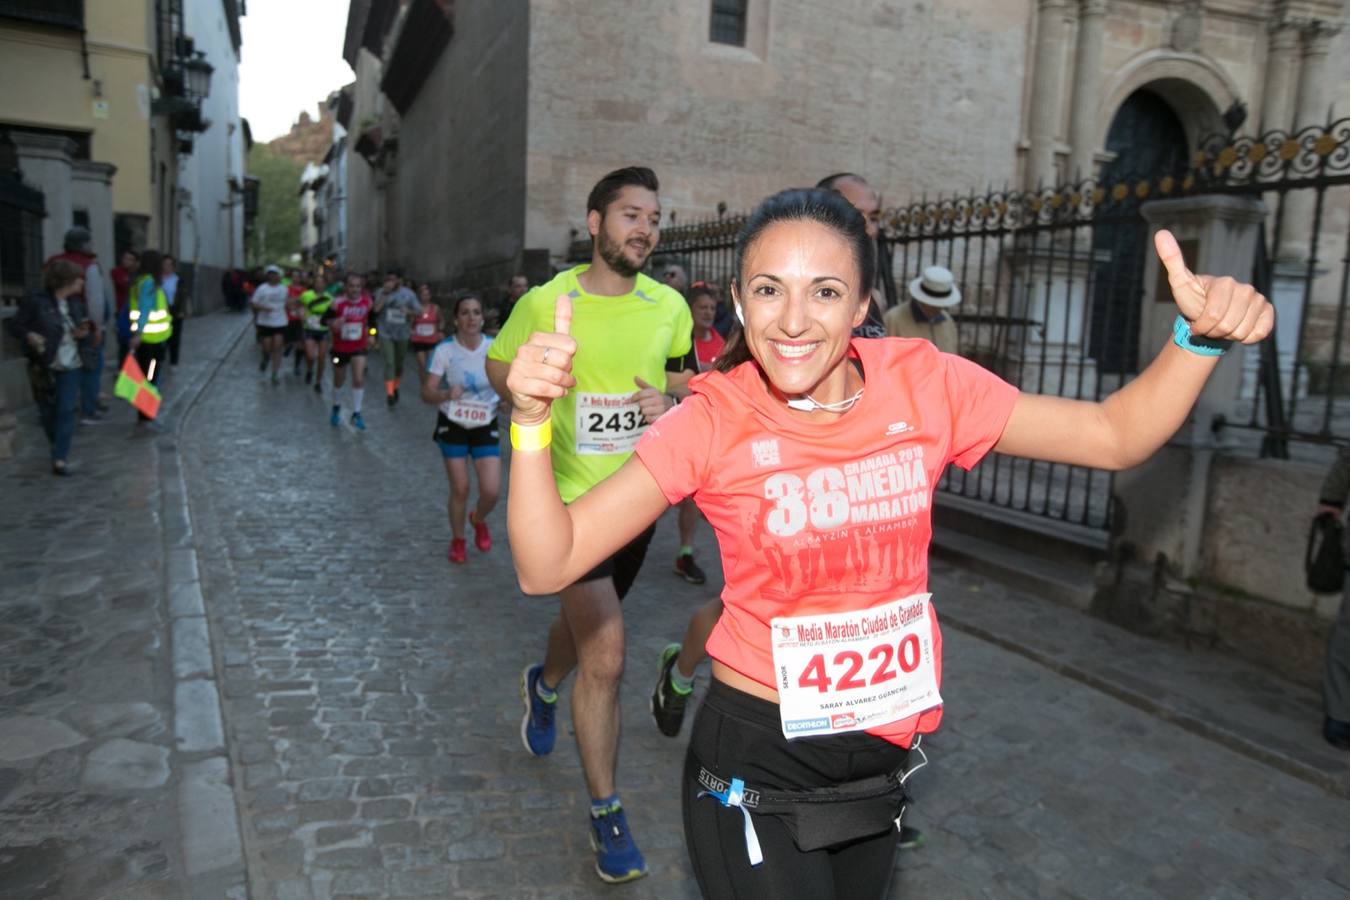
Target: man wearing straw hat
[925,315]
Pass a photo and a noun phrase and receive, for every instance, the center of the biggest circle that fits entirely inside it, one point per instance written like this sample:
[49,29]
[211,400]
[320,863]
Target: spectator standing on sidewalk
[926,315]
[150,323]
[177,305]
[122,275]
[1336,679]
[79,250]
[674,276]
[55,328]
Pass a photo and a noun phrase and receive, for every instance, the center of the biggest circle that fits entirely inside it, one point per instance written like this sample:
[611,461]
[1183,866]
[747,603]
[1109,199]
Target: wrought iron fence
[1052,283]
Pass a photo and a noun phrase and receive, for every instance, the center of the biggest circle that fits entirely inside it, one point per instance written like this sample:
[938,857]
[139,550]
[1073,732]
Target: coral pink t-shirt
[829,516]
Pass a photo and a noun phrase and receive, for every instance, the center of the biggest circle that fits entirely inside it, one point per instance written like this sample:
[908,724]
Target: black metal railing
[1052,283]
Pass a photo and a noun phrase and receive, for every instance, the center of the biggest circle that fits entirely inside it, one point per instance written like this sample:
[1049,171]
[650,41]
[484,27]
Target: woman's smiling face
[801,294]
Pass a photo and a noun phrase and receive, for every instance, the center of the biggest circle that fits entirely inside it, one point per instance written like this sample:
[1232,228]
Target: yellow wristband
[532,437]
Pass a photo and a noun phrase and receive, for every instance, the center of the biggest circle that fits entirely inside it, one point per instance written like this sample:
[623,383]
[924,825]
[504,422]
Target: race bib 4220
[851,671]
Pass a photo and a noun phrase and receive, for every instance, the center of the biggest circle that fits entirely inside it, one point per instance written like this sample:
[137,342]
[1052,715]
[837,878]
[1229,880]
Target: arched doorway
[1147,139]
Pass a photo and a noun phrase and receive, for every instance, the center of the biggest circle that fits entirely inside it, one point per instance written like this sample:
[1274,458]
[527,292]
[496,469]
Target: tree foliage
[276,232]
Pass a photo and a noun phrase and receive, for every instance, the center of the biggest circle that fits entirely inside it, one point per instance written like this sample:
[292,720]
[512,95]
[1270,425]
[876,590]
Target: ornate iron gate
[1052,284]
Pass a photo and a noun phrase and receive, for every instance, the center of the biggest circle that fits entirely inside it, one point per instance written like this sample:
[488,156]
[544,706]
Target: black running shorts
[623,566]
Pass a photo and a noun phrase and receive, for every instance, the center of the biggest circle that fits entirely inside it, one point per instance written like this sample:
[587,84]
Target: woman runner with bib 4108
[466,424]
[814,456]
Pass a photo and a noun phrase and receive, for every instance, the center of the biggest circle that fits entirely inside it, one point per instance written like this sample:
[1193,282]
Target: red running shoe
[458,552]
[482,538]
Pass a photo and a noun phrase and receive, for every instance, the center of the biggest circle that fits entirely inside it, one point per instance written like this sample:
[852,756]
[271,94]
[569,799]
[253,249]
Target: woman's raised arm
[1130,425]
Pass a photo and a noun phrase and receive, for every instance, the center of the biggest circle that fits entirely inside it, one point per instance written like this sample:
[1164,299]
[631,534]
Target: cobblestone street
[370,709]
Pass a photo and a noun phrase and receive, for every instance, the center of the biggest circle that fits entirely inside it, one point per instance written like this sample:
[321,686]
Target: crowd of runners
[781,413]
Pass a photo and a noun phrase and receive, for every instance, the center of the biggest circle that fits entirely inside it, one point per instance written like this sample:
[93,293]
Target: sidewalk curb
[212,842]
[1208,730]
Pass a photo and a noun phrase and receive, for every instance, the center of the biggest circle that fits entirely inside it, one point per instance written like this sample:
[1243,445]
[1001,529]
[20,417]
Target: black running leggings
[737,735]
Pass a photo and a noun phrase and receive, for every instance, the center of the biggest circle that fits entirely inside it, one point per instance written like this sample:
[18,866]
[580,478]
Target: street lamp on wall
[197,74]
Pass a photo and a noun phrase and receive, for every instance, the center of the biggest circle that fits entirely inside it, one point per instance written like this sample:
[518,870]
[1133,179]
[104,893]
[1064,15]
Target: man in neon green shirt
[635,339]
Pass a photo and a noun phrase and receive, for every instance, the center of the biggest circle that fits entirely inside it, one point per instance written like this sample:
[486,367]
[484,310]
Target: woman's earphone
[740,316]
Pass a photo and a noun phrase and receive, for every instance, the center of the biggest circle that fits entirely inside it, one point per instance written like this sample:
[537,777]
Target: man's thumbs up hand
[542,369]
[650,400]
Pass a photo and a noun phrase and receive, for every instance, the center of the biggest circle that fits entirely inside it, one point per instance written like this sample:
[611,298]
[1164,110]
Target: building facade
[110,117]
[502,115]
[311,180]
[331,201]
[211,178]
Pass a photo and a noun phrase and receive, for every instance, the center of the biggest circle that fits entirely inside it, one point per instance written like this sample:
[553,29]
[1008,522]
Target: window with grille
[58,13]
[728,22]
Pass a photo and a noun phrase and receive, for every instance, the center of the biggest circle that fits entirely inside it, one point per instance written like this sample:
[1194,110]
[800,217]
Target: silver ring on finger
[545,357]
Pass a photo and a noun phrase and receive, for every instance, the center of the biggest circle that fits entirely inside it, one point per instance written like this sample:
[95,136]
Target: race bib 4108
[471,413]
[851,671]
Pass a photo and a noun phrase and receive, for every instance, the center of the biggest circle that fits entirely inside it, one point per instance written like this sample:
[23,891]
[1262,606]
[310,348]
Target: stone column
[1086,85]
[91,190]
[1277,100]
[1162,503]
[1045,92]
[1311,109]
[1313,83]
[44,161]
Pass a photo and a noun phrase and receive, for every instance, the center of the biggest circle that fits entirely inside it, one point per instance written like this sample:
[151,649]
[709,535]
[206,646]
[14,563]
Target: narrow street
[370,710]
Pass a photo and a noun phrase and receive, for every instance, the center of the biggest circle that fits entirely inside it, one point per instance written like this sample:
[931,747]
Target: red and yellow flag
[133,387]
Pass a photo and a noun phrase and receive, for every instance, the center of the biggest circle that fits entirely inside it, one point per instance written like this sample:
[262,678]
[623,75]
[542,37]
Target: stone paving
[372,709]
[101,784]
[371,715]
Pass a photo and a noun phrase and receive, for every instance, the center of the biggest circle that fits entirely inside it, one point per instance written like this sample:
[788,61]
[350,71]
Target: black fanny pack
[817,818]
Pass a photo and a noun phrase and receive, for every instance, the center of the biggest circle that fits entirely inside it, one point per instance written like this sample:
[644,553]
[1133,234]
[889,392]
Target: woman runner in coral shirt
[427,329]
[814,456]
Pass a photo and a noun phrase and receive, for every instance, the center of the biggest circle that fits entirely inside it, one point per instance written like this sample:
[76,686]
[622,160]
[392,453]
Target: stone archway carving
[1196,87]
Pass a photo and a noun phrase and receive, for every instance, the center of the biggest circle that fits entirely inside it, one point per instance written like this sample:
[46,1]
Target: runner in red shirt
[427,329]
[295,318]
[815,456]
[350,324]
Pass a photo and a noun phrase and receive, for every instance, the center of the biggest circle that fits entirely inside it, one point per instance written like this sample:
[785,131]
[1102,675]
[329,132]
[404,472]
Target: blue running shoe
[537,730]
[357,422]
[617,858]
[336,418]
